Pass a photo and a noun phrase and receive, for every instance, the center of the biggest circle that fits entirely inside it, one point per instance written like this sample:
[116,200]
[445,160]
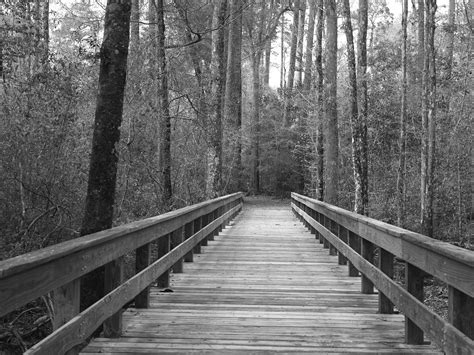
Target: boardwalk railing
[59,268]
[357,239]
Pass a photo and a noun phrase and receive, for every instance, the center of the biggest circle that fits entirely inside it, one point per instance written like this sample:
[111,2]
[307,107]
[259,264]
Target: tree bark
[428,121]
[330,109]
[164,161]
[100,196]
[320,100]
[309,47]
[45,29]
[421,41]
[214,155]
[360,127]
[299,50]
[282,54]
[233,93]
[135,24]
[450,45]
[268,52]
[401,172]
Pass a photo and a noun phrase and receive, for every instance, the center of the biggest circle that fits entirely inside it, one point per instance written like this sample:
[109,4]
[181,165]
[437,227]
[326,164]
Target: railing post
[163,280]
[461,311]
[188,232]
[66,303]
[197,228]
[325,224]
[177,238]
[204,222]
[113,278]
[367,252]
[341,259]
[330,226]
[414,285]
[354,243]
[321,221]
[386,266]
[142,260]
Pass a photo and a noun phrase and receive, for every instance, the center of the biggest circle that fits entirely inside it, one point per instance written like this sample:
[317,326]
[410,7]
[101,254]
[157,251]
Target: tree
[292,64]
[331,150]
[218,61]
[320,100]
[100,198]
[233,90]
[428,103]
[401,173]
[164,161]
[307,81]
[299,46]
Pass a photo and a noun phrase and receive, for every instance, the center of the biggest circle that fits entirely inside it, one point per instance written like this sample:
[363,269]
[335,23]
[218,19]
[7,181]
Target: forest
[113,111]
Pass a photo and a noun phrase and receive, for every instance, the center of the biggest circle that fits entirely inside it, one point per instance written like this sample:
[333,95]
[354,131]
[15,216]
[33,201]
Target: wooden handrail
[354,237]
[59,267]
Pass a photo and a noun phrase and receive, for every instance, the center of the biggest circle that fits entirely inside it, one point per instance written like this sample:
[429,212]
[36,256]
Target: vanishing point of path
[265,284]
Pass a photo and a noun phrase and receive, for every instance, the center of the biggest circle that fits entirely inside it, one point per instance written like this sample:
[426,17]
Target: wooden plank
[414,284]
[386,266]
[444,334]
[163,281]
[461,311]
[66,302]
[84,324]
[177,237]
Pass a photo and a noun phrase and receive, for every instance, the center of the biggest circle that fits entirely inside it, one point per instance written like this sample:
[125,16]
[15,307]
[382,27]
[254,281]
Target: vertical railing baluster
[414,284]
[197,228]
[113,278]
[163,280]
[341,259]
[354,243]
[142,260]
[461,311]
[204,222]
[188,232]
[386,266]
[331,225]
[177,238]
[367,252]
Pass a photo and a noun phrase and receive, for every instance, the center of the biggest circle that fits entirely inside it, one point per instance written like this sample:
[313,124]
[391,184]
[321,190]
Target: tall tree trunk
[233,93]
[214,156]
[360,128]
[309,47]
[255,59]
[45,30]
[282,53]
[299,49]
[401,173]
[330,110]
[428,122]
[320,98]
[268,52]
[450,45]
[421,41]
[292,64]
[100,196]
[164,161]
[357,166]
[135,24]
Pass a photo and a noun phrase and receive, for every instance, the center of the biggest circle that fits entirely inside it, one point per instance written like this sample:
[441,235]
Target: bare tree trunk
[214,156]
[450,46]
[233,94]
[255,59]
[330,110]
[360,128]
[135,24]
[45,29]
[309,47]
[421,40]
[100,196]
[164,162]
[320,98]
[282,53]
[428,121]
[268,52]
[299,50]
[291,66]
[401,173]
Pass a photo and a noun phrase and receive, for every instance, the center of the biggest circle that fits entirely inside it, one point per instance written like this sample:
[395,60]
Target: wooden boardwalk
[264,285]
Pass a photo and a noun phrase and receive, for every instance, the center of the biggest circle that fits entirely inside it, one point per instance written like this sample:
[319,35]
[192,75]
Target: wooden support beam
[354,243]
[342,234]
[113,278]
[461,311]
[66,302]
[414,285]
[142,260]
[163,281]
[367,252]
[197,228]
[386,266]
[177,237]
[188,232]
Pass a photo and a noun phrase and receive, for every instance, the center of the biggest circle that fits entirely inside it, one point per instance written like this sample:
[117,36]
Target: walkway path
[264,285]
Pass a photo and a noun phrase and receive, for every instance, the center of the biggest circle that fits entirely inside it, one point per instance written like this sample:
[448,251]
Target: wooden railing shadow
[355,238]
[58,269]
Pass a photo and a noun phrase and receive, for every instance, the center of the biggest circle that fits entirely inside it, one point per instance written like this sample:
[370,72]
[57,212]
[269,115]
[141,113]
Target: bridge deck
[264,285]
